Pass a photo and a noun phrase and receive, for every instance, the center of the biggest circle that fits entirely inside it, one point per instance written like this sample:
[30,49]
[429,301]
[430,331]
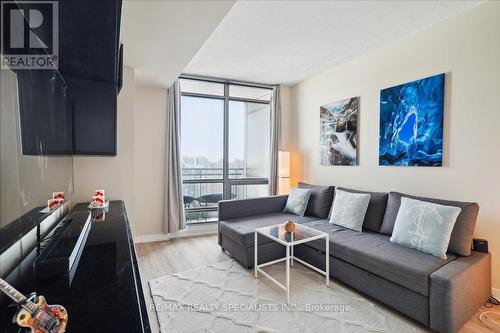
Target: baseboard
[496,293]
[189,232]
[197,230]
[151,238]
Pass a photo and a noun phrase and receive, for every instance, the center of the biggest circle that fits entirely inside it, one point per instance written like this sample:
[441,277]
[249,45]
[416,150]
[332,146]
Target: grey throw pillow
[425,226]
[297,201]
[320,201]
[349,209]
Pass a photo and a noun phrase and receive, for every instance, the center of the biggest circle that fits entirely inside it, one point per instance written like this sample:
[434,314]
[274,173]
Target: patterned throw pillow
[424,226]
[349,209]
[297,201]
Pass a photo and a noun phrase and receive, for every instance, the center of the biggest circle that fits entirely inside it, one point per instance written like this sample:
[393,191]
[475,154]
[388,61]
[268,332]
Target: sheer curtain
[174,210]
[275,136]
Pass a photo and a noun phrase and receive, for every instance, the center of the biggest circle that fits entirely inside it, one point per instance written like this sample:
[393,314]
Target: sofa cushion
[320,201]
[376,209]
[374,253]
[424,226]
[241,230]
[461,237]
[297,201]
[349,209]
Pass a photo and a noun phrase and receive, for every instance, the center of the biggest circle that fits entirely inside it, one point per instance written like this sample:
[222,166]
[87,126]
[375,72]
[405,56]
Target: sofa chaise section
[238,220]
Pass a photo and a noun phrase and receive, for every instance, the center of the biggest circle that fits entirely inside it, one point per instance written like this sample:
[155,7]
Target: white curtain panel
[275,136]
[174,208]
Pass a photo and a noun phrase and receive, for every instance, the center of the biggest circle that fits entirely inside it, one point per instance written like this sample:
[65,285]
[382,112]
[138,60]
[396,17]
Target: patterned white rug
[226,297]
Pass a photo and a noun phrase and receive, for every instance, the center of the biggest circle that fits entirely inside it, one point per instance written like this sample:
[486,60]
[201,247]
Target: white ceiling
[161,37]
[286,42]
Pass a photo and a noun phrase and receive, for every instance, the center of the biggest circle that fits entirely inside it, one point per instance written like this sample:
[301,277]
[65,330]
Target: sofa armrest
[231,209]
[458,290]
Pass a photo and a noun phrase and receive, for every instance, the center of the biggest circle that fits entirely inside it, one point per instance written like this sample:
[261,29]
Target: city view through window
[219,122]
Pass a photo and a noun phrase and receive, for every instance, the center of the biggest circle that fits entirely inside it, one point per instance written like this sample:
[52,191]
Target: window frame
[226,181]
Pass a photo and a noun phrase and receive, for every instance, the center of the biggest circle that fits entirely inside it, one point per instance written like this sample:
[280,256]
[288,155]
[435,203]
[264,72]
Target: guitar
[39,317]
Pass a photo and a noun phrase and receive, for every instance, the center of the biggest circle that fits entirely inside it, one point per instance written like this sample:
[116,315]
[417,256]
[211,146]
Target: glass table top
[301,233]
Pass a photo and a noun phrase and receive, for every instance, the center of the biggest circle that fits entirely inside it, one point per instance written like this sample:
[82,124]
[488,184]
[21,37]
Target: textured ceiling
[288,41]
[161,37]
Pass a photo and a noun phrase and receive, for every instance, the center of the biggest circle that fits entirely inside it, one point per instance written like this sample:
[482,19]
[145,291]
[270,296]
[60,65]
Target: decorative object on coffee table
[290,226]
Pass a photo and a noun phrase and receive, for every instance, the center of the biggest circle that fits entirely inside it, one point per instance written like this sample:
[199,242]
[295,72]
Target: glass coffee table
[300,235]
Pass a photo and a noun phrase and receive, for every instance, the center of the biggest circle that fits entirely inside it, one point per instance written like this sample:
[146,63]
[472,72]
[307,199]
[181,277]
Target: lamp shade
[283,164]
[283,185]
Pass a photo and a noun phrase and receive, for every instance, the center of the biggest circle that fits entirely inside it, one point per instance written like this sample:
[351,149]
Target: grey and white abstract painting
[338,132]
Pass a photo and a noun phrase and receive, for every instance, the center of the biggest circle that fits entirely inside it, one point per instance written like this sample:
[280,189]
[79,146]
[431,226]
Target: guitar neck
[17,296]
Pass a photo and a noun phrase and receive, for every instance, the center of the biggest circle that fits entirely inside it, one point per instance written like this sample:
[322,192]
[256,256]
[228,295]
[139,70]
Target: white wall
[115,174]
[136,174]
[467,48]
[150,137]
[286,114]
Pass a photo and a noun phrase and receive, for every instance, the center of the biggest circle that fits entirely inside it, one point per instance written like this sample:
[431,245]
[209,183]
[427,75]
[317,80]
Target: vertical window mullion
[225,162]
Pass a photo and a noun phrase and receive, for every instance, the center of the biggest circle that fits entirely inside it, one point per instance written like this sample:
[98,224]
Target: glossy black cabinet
[90,62]
[46,116]
[89,39]
[72,110]
[105,293]
[94,116]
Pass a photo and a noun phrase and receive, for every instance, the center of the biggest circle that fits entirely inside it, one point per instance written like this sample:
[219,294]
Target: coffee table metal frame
[290,258]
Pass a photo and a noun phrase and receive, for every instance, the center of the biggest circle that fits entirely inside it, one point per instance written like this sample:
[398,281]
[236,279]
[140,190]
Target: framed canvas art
[338,132]
[411,123]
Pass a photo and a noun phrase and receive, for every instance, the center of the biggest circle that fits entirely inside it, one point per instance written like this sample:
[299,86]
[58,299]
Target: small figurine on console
[98,200]
[58,195]
[99,193]
[56,201]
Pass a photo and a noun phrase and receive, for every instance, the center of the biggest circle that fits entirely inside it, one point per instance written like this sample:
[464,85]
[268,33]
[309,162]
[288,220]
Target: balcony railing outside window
[209,173]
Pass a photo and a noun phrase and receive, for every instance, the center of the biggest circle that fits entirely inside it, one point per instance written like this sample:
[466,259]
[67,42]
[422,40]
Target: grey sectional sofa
[440,294]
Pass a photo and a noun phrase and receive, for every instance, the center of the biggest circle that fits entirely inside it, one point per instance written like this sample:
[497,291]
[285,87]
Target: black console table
[105,294]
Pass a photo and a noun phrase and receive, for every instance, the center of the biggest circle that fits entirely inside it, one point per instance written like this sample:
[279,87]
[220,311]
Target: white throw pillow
[297,201]
[349,209]
[425,226]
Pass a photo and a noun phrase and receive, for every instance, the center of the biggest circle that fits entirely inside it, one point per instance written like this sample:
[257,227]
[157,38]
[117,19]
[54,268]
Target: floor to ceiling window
[225,144]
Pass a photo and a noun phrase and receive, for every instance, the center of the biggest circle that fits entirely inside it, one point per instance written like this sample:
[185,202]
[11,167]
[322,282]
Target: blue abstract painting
[411,123]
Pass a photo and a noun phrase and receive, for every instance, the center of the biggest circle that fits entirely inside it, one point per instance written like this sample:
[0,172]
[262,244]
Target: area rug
[225,297]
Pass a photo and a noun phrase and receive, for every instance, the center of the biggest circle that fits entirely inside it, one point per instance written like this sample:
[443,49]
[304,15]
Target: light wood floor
[182,254]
